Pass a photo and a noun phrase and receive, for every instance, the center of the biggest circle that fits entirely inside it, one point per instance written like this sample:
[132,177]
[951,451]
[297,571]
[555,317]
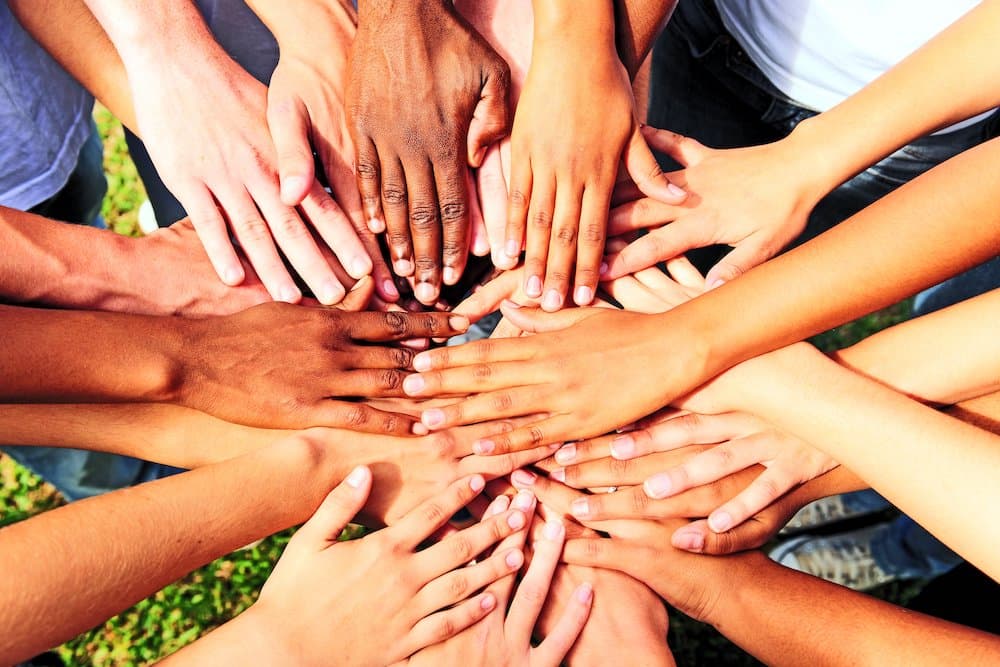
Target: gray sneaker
[844,559]
[823,512]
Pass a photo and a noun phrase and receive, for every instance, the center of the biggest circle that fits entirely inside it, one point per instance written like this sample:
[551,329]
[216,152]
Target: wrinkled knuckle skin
[432,325]
[458,586]
[289,227]
[462,550]
[503,403]
[536,436]
[453,211]
[517,200]
[390,380]
[640,502]
[366,171]
[566,236]
[434,514]
[542,220]
[395,323]
[394,194]
[593,234]
[356,417]
[401,357]
[423,218]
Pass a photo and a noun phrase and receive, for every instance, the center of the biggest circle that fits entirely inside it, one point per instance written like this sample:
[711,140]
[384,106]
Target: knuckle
[640,501]
[503,402]
[395,322]
[517,200]
[289,226]
[356,416]
[593,234]
[252,228]
[423,218]
[434,514]
[389,380]
[566,236]
[482,371]
[458,586]
[398,238]
[533,593]
[394,194]
[390,423]
[619,468]
[444,442]
[462,549]
[445,628]
[425,266]
[484,350]
[542,220]
[431,324]
[401,356]
[453,211]
[536,435]
[366,169]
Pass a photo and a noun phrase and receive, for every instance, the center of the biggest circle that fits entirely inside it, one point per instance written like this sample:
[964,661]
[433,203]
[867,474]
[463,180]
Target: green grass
[210,596]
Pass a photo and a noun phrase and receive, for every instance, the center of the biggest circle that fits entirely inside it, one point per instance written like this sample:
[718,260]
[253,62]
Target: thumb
[641,214]
[535,320]
[685,150]
[288,121]
[645,171]
[338,508]
[741,259]
[359,295]
[697,537]
[491,117]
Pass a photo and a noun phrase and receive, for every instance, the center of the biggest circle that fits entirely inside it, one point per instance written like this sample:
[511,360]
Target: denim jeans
[703,85]
[78,473]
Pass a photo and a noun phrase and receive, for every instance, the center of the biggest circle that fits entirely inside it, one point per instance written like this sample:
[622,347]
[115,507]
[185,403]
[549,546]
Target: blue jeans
[703,85]
[77,473]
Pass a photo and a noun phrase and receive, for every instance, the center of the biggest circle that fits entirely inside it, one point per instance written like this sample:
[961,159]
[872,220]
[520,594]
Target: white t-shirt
[819,52]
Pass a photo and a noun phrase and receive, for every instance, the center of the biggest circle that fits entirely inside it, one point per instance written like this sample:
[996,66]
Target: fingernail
[403,267]
[514,559]
[458,322]
[498,506]
[477,483]
[291,187]
[389,288]
[523,500]
[718,282]
[487,602]
[481,247]
[233,275]
[584,593]
[566,455]
[559,474]
[330,292]
[516,520]
[414,384]
[483,446]
[604,269]
[676,191]
[689,541]
[522,477]
[583,296]
[450,275]
[720,522]
[580,508]
[553,530]
[419,429]
[533,287]
[376,226]
[357,477]
[422,362]
[512,249]
[507,303]
[553,300]
[431,418]
[657,486]
[290,294]
[622,447]
[425,293]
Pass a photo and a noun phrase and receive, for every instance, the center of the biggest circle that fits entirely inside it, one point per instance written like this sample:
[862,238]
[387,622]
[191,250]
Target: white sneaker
[844,559]
[823,512]
[147,218]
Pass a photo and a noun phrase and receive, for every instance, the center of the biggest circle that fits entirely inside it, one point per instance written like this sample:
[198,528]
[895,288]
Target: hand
[426,97]
[381,586]
[755,199]
[504,636]
[305,112]
[206,132]
[278,365]
[570,132]
[563,371]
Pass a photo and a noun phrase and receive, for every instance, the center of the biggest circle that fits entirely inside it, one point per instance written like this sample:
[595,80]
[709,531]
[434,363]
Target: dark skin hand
[426,96]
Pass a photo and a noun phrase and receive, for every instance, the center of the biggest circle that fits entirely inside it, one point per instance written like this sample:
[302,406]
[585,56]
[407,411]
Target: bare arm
[637,24]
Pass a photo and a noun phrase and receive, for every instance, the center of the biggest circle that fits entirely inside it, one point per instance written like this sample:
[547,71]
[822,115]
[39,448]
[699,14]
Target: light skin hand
[504,636]
[279,365]
[423,596]
[560,191]
[755,199]
[426,97]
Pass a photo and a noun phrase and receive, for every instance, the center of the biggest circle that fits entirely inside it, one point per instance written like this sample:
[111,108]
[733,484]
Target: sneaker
[826,511]
[844,559]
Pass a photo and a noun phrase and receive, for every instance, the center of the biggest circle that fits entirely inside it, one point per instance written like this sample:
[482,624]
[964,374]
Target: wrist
[564,24]
[328,23]
[817,157]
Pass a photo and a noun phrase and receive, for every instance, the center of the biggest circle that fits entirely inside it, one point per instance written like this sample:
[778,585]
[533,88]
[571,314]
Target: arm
[758,199]
[637,25]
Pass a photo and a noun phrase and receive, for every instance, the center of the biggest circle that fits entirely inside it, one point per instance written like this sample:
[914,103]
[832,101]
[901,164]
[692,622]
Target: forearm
[941,468]
[167,434]
[70,33]
[784,617]
[288,24]
[637,25]
[949,79]
[103,554]
[932,228]
[928,357]
[586,26]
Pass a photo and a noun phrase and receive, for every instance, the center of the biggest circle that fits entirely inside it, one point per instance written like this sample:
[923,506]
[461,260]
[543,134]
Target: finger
[338,231]
[541,433]
[458,584]
[505,329]
[359,295]
[561,252]
[748,254]
[531,593]
[443,625]
[643,214]
[492,467]
[466,380]
[213,234]
[602,473]
[681,431]
[394,205]
[369,383]
[697,537]
[590,244]
[685,150]
[372,356]
[716,463]
[634,296]
[660,245]
[583,451]
[538,233]
[491,117]
[493,201]
[422,521]
[368,171]
[518,203]
[338,508]
[257,243]
[601,552]
[467,545]
[551,494]
[288,122]
[646,173]
[535,320]
[487,298]
[479,240]
[769,486]
[355,417]
[490,405]
[480,351]
[393,325]
[451,179]
[555,647]
[425,225]
[503,588]
[684,272]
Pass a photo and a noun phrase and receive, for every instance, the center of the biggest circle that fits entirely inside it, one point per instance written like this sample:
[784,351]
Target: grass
[208,597]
